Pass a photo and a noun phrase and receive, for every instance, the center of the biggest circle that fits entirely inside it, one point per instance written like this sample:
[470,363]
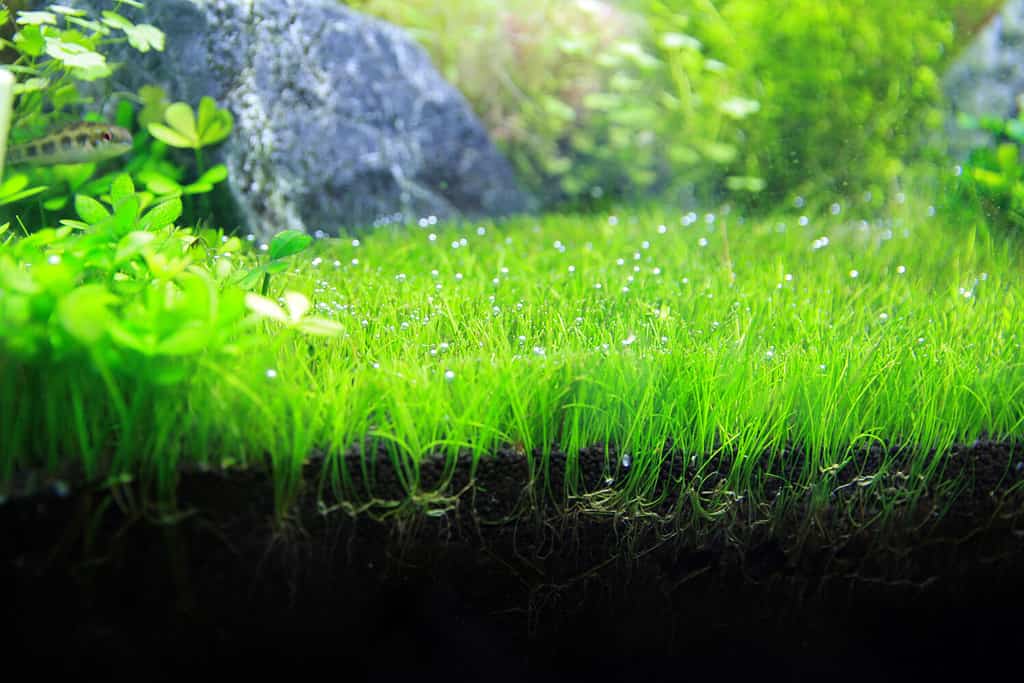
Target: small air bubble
[432,237]
[53,259]
[854,273]
[271,373]
[901,269]
[449,375]
[703,241]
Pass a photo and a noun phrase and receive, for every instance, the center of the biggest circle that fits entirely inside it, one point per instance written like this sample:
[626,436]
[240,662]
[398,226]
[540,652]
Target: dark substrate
[512,582]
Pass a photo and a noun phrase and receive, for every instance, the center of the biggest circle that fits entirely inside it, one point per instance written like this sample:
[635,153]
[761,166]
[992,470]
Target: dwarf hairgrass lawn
[643,331]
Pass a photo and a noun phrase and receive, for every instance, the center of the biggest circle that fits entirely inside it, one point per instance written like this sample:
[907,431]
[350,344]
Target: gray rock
[987,77]
[340,119]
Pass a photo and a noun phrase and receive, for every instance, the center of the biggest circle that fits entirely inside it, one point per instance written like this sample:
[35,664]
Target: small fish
[76,143]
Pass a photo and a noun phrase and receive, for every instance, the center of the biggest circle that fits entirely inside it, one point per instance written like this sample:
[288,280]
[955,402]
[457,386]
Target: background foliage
[592,99]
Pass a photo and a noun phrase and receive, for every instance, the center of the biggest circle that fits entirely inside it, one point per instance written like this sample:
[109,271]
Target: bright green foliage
[846,87]
[717,335]
[120,310]
[996,172]
[700,97]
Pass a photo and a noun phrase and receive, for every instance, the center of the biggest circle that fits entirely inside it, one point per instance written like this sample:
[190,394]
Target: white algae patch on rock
[340,119]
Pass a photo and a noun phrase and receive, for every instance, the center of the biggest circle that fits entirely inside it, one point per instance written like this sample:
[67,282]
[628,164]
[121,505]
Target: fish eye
[106,136]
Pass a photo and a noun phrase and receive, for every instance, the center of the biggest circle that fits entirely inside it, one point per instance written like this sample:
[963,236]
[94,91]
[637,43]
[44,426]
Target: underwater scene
[512,340]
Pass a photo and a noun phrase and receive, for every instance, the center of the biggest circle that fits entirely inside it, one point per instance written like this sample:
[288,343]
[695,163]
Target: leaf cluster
[124,288]
[995,173]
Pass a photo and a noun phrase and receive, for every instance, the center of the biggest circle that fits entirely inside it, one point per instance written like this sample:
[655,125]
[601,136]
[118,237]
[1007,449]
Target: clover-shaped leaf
[297,306]
[183,130]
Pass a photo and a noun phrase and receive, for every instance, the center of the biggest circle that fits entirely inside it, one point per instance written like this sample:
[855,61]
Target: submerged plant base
[491,578]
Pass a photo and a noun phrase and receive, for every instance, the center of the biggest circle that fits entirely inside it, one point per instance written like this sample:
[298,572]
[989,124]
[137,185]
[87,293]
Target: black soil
[499,577]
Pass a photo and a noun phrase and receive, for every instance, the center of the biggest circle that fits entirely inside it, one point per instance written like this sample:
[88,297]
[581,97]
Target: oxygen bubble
[264,247]
[804,220]
[613,220]
[53,259]
[629,340]
[883,316]
[270,373]
[458,276]
[538,351]
[835,209]
[854,273]
[355,262]
[355,243]
[626,461]
[400,277]
[703,241]
[434,273]
[901,269]
[432,237]
[481,230]
[572,269]
[788,277]
[337,264]
[662,229]
[449,375]
[316,262]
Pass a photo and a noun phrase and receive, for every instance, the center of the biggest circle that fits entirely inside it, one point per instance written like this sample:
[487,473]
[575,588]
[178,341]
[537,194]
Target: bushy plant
[994,174]
[106,294]
[713,95]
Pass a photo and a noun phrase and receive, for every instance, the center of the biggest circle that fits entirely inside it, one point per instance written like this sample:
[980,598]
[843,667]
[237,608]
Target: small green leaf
[90,210]
[288,243]
[85,312]
[214,175]
[36,18]
[319,326]
[74,55]
[214,123]
[29,40]
[170,136]
[125,213]
[197,188]
[181,118]
[188,340]
[158,183]
[145,37]
[121,188]
[298,305]
[131,245]
[265,307]
[163,214]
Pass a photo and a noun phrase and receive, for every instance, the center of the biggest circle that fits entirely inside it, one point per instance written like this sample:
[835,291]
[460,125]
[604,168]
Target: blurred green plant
[705,97]
[994,174]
